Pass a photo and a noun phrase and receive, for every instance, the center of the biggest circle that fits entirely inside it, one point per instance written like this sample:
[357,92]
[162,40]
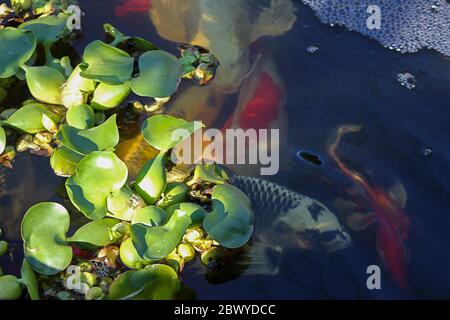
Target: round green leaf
[29,280]
[105,63]
[64,161]
[16,47]
[159,131]
[108,96]
[48,28]
[159,75]
[195,212]
[85,141]
[2,140]
[80,117]
[96,176]
[45,83]
[10,288]
[76,89]
[150,216]
[208,173]
[130,257]
[231,220]
[123,203]
[43,230]
[98,233]
[175,192]
[158,242]
[155,282]
[28,119]
[151,180]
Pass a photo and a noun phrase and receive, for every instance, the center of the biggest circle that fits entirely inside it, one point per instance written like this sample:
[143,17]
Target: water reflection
[224,27]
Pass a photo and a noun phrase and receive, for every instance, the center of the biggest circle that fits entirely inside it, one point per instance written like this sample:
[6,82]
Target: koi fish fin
[398,193]
[275,20]
[360,221]
[261,259]
[344,205]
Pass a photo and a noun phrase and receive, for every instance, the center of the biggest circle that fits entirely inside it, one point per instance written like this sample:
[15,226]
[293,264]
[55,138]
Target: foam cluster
[406,25]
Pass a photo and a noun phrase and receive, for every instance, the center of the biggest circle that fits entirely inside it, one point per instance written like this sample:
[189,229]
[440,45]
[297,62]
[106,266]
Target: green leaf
[158,242]
[10,288]
[150,216]
[45,83]
[96,176]
[155,282]
[76,89]
[80,117]
[231,221]
[105,63]
[98,233]
[195,212]
[2,140]
[159,131]
[108,96]
[130,257]
[139,44]
[21,5]
[29,280]
[207,173]
[152,179]
[16,48]
[43,230]
[159,75]
[102,137]
[28,119]
[46,29]
[123,203]
[175,192]
[64,161]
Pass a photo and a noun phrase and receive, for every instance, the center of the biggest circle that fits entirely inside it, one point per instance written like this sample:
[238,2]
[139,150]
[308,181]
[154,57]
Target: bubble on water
[312,49]
[407,79]
[406,25]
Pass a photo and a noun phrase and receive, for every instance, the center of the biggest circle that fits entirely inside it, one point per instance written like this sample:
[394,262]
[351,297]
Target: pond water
[324,77]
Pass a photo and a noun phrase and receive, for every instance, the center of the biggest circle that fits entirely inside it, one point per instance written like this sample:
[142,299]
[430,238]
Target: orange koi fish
[393,223]
[261,100]
[132,6]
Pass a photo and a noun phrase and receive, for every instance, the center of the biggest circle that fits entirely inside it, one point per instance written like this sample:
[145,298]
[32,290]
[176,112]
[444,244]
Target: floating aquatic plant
[154,234]
[153,225]
[102,81]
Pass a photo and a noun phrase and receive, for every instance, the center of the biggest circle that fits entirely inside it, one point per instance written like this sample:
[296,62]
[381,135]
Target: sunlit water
[345,78]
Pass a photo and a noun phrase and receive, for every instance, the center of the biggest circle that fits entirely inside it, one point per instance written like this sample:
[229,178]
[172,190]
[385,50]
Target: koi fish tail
[392,251]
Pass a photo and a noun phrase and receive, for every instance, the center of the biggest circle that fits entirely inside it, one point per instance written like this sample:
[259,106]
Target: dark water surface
[349,79]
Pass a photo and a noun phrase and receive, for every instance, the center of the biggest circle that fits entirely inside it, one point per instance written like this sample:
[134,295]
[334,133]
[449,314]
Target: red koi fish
[132,6]
[393,223]
[261,100]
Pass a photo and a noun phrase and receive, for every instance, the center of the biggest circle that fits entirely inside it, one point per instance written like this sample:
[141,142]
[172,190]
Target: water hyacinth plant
[135,236]
[79,92]
[141,233]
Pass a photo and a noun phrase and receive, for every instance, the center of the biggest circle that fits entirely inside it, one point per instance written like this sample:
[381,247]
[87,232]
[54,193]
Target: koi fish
[260,104]
[223,27]
[286,219]
[129,7]
[393,223]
